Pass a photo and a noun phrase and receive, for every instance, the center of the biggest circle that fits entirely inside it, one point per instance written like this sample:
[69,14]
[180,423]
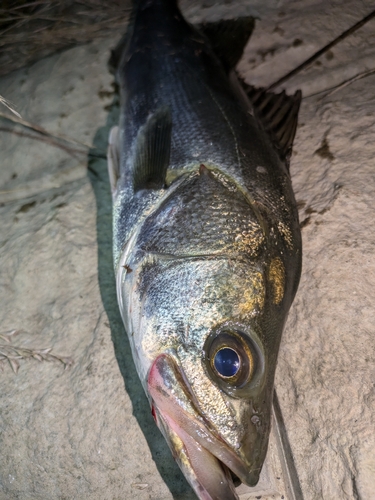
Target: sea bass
[207,245]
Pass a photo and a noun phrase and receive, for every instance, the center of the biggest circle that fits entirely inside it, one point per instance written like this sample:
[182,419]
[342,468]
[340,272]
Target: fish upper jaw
[205,459]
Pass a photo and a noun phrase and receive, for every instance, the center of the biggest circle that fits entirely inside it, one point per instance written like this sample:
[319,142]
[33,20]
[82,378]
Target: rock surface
[87,432]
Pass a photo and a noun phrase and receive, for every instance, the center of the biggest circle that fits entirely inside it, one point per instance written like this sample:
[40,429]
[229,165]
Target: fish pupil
[227,362]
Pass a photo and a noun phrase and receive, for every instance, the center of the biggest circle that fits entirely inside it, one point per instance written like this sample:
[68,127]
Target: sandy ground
[87,432]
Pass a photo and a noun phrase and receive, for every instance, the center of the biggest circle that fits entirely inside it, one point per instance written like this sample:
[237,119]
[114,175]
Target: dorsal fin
[278,114]
[153,151]
[228,38]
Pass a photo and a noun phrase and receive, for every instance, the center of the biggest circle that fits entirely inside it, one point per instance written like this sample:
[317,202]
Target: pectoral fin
[153,151]
[113,157]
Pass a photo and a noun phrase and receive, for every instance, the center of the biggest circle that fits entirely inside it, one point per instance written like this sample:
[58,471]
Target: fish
[206,239]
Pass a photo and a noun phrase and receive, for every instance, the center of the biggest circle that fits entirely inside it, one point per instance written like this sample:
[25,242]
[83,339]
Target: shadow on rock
[98,175]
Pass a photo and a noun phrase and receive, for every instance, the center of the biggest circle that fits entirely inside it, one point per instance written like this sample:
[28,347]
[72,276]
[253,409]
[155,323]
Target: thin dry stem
[9,105]
[350,81]
[41,130]
[52,138]
[342,85]
[49,139]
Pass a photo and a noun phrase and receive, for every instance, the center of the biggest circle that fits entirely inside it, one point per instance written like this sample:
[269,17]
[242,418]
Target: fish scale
[195,133]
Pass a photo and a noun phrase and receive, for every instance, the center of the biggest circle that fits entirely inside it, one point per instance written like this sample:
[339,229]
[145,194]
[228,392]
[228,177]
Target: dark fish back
[169,63]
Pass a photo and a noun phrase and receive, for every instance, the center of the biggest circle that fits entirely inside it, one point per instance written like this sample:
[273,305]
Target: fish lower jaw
[207,475]
[204,458]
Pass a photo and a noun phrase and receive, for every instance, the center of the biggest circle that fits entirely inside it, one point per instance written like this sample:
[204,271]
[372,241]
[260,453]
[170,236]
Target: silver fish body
[207,245]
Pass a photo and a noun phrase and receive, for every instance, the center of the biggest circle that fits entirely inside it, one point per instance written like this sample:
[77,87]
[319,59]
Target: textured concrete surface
[87,432]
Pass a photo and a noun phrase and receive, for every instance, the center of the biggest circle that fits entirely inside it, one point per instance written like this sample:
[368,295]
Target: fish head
[202,335]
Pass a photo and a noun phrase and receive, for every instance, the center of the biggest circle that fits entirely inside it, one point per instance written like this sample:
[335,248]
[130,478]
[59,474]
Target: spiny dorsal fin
[152,151]
[278,114]
[228,38]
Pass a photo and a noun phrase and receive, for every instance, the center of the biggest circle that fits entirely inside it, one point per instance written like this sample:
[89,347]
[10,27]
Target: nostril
[236,480]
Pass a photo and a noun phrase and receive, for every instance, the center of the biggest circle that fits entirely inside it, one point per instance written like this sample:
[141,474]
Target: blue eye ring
[226,362]
[238,345]
[231,359]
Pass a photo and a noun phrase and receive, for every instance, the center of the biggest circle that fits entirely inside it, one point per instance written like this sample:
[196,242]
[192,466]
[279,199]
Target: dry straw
[10,354]
[30,30]
[36,29]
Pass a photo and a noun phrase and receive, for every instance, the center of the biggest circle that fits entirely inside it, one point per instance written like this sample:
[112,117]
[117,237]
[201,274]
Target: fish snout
[200,451]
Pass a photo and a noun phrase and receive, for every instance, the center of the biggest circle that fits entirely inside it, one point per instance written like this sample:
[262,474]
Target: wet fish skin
[207,246]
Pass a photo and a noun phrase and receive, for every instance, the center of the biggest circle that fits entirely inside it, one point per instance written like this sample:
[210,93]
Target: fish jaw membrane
[205,459]
[209,478]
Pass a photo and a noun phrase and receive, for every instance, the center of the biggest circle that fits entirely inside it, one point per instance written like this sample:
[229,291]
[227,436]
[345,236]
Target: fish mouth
[209,464]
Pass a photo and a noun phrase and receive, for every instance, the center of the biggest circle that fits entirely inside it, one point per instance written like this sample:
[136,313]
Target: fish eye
[226,362]
[233,360]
